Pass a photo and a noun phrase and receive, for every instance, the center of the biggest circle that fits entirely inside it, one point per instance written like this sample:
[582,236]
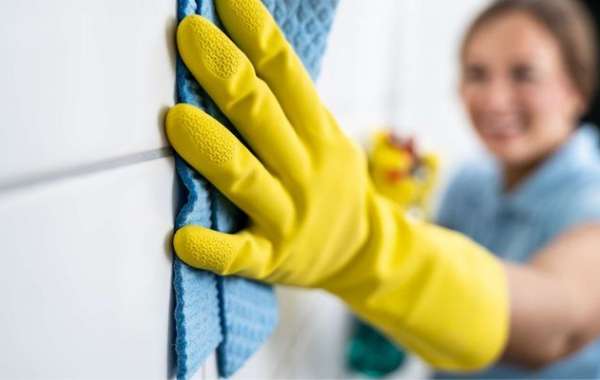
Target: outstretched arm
[555,299]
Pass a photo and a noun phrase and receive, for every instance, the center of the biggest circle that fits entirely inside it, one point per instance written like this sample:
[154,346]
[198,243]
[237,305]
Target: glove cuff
[432,290]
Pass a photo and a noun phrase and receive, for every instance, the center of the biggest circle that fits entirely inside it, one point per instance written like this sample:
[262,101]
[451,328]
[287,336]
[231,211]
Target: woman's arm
[555,299]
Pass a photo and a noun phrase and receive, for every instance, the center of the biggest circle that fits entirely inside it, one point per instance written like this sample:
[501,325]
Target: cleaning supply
[401,172]
[371,354]
[315,219]
[405,175]
[233,316]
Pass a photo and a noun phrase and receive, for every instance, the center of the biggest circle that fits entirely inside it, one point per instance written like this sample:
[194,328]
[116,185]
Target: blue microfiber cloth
[232,315]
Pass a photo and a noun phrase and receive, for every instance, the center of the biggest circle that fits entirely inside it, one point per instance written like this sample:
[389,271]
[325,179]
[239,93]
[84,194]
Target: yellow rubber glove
[315,219]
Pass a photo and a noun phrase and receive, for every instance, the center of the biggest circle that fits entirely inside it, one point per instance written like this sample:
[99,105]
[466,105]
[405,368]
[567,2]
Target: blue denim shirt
[563,193]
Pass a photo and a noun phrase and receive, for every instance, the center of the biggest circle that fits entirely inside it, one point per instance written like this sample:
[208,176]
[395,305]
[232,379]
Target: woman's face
[516,89]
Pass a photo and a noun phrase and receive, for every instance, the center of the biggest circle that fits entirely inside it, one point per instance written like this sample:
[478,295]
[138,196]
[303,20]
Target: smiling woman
[529,71]
[528,75]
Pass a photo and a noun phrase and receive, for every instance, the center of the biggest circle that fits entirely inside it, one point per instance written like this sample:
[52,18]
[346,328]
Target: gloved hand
[315,219]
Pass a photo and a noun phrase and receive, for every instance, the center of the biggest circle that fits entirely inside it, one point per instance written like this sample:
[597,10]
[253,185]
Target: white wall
[86,186]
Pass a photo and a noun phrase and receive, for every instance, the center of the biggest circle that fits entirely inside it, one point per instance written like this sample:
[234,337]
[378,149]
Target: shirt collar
[581,150]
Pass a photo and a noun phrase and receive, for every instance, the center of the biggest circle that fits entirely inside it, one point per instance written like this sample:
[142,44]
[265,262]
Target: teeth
[505,129]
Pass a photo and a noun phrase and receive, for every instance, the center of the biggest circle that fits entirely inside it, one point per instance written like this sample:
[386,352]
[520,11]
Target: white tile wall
[82,81]
[85,276]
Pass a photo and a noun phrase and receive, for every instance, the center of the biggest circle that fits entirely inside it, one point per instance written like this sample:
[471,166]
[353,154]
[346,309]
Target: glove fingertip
[198,138]
[177,119]
[249,14]
[207,51]
[203,249]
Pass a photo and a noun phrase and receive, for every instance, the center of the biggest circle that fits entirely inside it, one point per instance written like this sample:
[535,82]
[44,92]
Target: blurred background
[396,63]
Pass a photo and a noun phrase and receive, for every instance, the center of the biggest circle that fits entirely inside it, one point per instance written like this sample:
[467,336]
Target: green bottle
[372,354]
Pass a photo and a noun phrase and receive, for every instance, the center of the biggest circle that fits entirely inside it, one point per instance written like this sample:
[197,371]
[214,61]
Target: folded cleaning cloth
[232,315]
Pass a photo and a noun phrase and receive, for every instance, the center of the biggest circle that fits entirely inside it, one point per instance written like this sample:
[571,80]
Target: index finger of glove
[216,153]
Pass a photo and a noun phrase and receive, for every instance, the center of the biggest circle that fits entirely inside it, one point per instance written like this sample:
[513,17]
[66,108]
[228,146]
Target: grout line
[94,167]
